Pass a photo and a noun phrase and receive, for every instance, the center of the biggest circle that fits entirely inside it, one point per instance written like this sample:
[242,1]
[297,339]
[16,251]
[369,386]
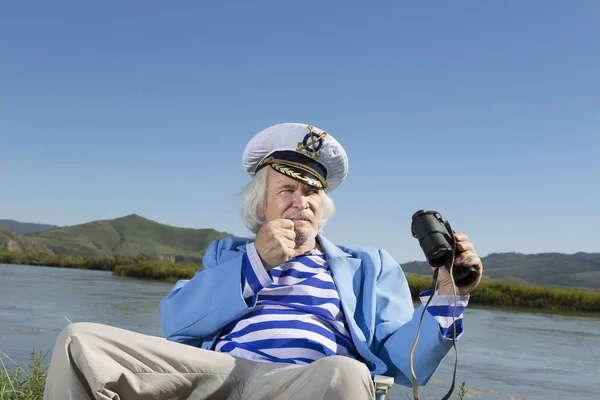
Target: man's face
[291,199]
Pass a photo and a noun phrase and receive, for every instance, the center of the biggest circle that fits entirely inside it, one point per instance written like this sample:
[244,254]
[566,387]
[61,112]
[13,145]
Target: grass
[488,293]
[506,295]
[107,263]
[136,267]
[529,297]
[157,270]
[23,382]
[461,391]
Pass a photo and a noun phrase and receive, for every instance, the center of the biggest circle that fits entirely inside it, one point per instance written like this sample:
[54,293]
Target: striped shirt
[298,317]
[442,309]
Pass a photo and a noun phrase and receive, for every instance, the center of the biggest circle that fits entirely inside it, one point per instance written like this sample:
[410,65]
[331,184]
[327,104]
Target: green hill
[132,235]
[581,270]
[8,240]
[23,228]
[126,236]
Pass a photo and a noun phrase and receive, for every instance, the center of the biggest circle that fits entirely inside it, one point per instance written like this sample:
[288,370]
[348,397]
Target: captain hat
[302,152]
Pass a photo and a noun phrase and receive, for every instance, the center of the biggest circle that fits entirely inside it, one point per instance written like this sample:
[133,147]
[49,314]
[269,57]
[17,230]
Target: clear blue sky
[488,112]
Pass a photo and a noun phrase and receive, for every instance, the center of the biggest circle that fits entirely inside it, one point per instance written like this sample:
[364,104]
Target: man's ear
[262,212]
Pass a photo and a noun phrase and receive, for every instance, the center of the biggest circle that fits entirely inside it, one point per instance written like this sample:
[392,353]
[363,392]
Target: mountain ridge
[133,234]
[126,236]
[23,228]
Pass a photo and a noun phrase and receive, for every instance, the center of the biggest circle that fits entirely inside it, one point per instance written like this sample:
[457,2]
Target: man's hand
[275,242]
[467,258]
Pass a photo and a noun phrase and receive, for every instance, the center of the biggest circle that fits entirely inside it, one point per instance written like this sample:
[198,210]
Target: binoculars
[436,238]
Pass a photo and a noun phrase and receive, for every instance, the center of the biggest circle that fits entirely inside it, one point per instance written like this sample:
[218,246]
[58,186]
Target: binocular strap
[434,284]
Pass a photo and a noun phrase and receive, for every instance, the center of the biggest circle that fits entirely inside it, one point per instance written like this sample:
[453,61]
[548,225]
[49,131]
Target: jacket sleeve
[396,328]
[200,306]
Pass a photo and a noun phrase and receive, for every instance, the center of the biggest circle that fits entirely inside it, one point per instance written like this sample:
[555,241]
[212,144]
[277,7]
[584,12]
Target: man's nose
[300,200]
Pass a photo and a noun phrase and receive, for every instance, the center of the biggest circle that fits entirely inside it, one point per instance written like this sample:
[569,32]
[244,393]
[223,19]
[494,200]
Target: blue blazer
[374,296]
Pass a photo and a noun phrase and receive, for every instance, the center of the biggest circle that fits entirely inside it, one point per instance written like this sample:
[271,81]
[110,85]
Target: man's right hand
[275,242]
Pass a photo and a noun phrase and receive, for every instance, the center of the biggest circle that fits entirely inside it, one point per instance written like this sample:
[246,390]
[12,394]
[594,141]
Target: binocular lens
[439,257]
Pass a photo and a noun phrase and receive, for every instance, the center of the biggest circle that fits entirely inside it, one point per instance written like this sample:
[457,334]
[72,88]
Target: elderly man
[288,315]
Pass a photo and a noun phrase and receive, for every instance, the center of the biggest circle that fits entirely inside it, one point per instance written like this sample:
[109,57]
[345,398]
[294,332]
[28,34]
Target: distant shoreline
[507,296]
[510,296]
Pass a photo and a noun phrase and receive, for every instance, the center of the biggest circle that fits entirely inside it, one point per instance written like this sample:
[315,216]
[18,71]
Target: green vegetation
[580,270]
[8,239]
[517,296]
[23,228]
[127,237]
[134,267]
[106,263]
[158,270]
[131,235]
[23,383]
[499,294]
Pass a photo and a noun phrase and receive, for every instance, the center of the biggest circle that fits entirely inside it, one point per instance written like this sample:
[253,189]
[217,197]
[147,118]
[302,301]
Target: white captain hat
[302,152]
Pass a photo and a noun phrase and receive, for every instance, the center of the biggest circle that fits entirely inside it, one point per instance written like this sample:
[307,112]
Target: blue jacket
[374,296]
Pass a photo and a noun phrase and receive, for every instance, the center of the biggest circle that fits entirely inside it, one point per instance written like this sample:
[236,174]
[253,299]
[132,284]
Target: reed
[157,270]
[509,295]
[19,382]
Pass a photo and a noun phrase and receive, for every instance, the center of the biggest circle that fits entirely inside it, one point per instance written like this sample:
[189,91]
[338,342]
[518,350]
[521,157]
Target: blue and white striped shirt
[298,317]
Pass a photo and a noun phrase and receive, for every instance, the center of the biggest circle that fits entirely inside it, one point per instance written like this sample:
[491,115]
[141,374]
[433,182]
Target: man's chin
[304,235]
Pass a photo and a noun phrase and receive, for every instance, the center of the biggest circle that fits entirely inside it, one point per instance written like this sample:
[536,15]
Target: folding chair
[383,384]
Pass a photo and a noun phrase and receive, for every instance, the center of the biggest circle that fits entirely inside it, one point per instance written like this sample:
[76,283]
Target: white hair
[255,196]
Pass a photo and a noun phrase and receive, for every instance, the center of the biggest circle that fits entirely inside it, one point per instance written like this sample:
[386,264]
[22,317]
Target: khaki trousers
[93,361]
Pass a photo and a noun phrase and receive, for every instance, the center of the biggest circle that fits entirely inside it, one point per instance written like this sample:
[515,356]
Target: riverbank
[105,263]
[488,293]
[523,297]
[134,267]
[495,294]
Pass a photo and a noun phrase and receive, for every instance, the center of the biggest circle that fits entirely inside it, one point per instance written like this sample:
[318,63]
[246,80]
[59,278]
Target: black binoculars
[436,238]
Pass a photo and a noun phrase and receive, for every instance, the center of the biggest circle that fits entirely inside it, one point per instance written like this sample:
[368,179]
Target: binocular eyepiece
[436,238]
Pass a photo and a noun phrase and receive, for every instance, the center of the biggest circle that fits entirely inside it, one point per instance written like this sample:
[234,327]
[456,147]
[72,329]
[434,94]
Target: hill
[126,236]
[580,270]
[8,240]
[133,234]
[23,228]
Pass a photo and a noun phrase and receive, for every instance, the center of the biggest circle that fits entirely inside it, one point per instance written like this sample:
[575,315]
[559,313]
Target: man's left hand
[467,258]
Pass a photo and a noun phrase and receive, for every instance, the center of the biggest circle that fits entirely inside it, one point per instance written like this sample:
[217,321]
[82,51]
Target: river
[502,354]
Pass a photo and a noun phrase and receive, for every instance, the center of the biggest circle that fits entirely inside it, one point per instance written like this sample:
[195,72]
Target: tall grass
[487,293]
[498,294]
[136,267]
[516,296]
[157,270]
[106,263]
[21,382]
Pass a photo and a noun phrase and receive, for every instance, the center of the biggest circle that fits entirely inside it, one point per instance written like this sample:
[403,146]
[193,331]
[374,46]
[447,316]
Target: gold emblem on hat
[312,144]
[293,174]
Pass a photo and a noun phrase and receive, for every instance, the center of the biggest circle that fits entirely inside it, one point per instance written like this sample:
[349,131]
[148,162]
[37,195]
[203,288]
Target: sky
[488,112]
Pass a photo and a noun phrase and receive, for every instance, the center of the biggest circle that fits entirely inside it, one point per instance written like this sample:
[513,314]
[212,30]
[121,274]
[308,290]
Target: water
[502,355]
